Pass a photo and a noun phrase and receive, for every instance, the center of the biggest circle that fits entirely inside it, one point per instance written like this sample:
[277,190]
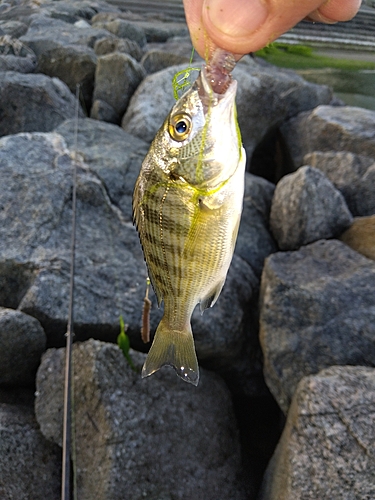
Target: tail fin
[175,348]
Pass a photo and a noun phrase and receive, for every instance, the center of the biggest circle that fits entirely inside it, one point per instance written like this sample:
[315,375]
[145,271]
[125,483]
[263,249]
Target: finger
[333,11]
[242,26]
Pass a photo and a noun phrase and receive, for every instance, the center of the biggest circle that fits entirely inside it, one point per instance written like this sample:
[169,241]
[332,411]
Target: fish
[187,205]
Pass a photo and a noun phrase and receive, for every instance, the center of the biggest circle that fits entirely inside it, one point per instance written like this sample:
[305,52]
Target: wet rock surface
[312,297]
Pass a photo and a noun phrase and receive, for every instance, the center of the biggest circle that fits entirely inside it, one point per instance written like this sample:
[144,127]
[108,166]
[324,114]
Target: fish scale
[187,205]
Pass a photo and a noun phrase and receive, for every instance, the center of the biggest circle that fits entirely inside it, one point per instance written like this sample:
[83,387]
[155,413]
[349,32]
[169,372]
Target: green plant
[123,342]
[304,57]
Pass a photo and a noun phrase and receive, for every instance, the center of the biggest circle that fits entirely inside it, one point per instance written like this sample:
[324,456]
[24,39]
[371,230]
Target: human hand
[243,26]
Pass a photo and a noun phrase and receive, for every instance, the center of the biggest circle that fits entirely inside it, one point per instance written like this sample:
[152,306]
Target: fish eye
[179,127]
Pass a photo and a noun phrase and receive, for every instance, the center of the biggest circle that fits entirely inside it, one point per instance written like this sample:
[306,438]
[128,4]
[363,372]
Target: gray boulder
[352,174]
[70,11]
[327,447]
[116,78]
[149,437]
[331,128]
[307,207]
[35,234]
[156,60]
[112,154]
[33,103]
[74,65]
[15,56]
[266,96]
[317,309]
[254,241]
[30,465]
[101,110]
[17,11]
[178,45]
[15,63]
[107,45]
[13,28]
[45,33]
[123,29]
[22,343]
[157,30]
[361,236]
[150,104]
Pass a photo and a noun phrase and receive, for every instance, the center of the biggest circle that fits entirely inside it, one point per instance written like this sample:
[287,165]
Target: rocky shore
[288,351]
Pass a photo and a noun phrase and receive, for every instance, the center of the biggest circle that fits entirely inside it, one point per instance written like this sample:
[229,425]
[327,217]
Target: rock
[331,128]
[33,103]
[317,309]
[352,174]
[74,65]
[15,29]
[22,342]
[159,31]
[30,465]
[361,236]
[255,242]
[107,45]
[19,64]
[178,45]
[327,447]
[307,207]
[266,96]
[123,29]
[100,110]
[116,78]
[112,154]
[13,12]
[12,46]
[45,33]
[70,12]
[150,104]
[192,449]
[35,232]
[156,60]
[82,24]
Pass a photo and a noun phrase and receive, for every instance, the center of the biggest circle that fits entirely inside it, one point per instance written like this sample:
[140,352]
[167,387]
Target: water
[355,88]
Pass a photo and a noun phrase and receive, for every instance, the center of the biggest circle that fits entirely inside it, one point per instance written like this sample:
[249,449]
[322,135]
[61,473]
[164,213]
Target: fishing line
[181,79]
[67,411]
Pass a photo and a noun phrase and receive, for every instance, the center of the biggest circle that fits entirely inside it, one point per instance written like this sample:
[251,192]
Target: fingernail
[236,18]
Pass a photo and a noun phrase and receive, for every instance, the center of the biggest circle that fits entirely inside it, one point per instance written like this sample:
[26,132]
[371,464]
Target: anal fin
[212,296]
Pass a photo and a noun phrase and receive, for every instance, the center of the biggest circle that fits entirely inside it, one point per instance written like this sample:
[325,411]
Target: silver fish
[187,206]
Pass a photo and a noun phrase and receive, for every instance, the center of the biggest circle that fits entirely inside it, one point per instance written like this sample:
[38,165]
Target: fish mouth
[208,83]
